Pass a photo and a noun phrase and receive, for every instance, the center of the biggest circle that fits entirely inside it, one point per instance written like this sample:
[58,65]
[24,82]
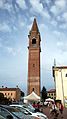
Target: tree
[43,94]
[1,96]
[22,94]
[4,100]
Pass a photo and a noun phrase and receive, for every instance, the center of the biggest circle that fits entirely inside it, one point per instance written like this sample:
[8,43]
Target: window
[11,93]
[33,41]
[66,75]
[8,93]
[52,94]
[33,65]
[5,93]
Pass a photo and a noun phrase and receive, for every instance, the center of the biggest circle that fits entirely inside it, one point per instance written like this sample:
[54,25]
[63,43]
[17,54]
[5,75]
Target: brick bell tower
[34,59]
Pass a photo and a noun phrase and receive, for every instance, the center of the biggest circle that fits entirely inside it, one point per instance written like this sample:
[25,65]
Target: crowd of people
[37,106]
[56,108]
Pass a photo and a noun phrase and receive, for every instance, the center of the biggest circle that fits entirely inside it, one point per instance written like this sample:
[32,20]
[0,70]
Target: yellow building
[13,94]
[51,93]
[60,78]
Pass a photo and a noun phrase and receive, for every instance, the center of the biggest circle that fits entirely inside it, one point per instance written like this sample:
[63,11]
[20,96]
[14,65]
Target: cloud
[37,7]
[63,26]
[62,47]
[8,49]
[1,3]
[58,7]
[59,12]
[57,33]
[4,27]
[61,4]
[21,21]
[5,5]
[0,45]
[54,22]
[13,6]
[60,44]
[21,4]
[13,51]
[55,10]
[65,16]
[62,18]
[8,7]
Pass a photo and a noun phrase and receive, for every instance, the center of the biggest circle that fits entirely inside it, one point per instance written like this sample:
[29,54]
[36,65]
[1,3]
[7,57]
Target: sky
[16,18]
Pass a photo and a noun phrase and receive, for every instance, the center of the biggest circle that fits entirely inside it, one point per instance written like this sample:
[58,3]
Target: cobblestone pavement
[47,112]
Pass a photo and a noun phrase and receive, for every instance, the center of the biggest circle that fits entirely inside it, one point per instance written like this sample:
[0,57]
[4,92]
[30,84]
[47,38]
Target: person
[61,109]
[34,105]
[53,110]
[38,106]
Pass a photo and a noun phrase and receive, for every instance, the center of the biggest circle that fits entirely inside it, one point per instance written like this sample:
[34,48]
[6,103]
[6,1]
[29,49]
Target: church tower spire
[34,59]
[34,26]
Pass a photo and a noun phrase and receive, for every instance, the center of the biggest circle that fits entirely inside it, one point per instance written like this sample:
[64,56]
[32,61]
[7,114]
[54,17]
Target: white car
[32,112]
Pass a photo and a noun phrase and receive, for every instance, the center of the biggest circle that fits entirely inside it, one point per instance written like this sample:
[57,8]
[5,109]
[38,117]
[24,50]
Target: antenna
[54,62]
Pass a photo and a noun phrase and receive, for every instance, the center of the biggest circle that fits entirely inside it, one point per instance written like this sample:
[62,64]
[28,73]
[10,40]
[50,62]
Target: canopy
[32,97]
[49,100]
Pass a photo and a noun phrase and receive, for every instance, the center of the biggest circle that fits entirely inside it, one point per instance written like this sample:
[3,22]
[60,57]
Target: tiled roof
[51,90]
[61,67]
[8,89]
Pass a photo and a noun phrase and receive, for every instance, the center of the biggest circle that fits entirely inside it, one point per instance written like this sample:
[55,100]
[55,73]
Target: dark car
[7,111]
[1,117]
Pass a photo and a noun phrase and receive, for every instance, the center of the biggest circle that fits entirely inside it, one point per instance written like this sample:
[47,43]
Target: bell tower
[34,59]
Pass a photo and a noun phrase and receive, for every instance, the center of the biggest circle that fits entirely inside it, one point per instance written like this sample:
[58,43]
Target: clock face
[34,42]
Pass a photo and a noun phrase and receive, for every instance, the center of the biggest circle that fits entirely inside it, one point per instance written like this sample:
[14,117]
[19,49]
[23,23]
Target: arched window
[33,41]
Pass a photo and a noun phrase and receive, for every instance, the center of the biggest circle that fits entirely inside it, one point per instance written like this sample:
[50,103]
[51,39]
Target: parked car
[25,111]
[6,111]
[13,111]
[31,112]
[1,117]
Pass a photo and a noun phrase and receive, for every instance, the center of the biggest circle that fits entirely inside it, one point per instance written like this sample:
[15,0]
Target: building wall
[13,93]
[51,93]
[60,75]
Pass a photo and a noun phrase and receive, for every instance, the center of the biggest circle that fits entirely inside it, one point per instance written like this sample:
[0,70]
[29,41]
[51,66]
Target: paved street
[47,112]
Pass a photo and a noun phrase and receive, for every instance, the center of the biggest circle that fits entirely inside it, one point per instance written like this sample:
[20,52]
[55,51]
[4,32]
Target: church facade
[60,78]
[34,59]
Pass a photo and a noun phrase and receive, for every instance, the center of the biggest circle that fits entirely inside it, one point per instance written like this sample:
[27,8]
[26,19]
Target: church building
[34,59]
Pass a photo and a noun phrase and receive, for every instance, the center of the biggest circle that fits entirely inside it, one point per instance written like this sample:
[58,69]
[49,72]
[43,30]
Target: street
[47,112]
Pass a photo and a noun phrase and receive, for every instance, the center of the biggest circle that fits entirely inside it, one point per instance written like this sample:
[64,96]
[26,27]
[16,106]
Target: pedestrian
[53,110]
[34,105]
[61,109]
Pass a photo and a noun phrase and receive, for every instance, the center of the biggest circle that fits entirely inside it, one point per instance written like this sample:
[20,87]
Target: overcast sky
[16,18]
